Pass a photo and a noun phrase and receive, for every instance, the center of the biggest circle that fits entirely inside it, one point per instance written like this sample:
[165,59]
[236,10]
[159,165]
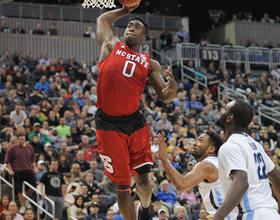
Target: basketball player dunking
[122,133]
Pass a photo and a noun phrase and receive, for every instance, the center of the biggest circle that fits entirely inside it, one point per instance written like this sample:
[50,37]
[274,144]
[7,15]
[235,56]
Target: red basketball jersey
[122,78]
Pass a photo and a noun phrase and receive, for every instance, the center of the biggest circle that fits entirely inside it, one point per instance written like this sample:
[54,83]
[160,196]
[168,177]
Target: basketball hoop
[99,4]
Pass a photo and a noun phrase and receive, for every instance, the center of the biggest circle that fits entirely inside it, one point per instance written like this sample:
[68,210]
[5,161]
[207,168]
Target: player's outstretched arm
[234,195]
[200,172]
[274,177]
[103,22]
[166,92]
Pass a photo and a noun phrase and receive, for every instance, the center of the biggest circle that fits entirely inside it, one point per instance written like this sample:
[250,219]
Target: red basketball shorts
[123,154]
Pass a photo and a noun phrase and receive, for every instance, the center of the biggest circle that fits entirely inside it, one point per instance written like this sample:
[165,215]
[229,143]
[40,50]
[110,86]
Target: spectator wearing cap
[56,139]
[162,214]
[41,169]
[43,85]
[190,166]
[102,206]
[49,153]
[62,128]
[72,147]
[36,131]
[94,209]
[35,98]
[167,198]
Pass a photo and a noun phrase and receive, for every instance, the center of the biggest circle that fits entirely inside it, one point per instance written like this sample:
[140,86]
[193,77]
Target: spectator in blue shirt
[43,85]
[180,97]
[77,85]
[79,99]
[187,84]
[195,104]
[167,198]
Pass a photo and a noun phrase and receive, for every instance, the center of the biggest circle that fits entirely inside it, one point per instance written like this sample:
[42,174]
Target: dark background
[196,10]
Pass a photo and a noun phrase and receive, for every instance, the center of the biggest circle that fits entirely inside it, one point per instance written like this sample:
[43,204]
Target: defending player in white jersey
[204,174]
[245,169]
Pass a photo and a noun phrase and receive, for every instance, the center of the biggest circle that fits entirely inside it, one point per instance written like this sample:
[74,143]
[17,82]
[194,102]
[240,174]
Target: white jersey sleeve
[231,157]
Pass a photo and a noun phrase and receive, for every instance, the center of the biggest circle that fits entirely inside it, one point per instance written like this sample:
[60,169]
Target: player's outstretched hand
[162,147]
[171,84]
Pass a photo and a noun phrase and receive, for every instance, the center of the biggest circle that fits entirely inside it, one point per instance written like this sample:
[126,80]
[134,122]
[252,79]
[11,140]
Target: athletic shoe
[138,211]
[22,210]
[27,204]
[142,214]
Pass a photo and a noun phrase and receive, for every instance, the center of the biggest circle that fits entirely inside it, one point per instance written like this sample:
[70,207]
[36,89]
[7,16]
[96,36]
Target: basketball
[129,3]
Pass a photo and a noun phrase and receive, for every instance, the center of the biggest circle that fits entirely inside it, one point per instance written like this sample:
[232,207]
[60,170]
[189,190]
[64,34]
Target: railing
[84,49]
[275,56]
[210,52]
[38,193]
[162,58]
[259,55]
[187,52]
[183,75]
[269,113]
[231,93]
[227,54]
[11,185]
[236,54]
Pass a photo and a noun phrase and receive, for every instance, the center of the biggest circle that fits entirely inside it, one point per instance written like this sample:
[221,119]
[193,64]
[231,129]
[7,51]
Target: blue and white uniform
[241,152]
[211,193]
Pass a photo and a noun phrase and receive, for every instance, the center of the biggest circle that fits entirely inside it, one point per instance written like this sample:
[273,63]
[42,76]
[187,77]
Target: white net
[99,4]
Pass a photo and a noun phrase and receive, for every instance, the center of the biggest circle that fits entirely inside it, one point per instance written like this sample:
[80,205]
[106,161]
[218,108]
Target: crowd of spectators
[51,103]
[218,18]
[38,30]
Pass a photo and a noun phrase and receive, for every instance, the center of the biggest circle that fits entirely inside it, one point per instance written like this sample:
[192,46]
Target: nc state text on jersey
[133,58]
